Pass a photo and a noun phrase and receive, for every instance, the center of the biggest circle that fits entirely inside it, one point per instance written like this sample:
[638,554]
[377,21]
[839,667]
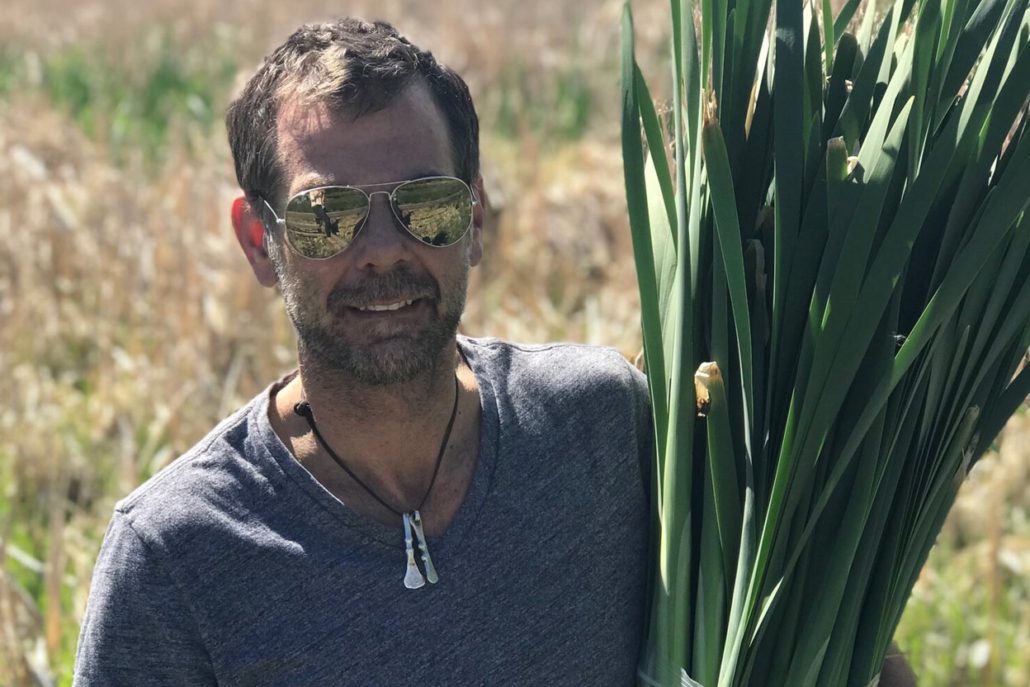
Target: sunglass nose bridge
[390,209]
[373,194]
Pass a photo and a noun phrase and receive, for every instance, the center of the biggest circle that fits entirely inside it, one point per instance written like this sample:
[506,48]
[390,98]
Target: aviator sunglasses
[321,222]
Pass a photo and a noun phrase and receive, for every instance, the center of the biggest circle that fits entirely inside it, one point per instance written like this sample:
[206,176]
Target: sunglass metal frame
[281,221]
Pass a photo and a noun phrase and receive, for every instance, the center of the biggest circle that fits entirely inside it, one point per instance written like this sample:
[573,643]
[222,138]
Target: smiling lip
[381,307]
[392,308]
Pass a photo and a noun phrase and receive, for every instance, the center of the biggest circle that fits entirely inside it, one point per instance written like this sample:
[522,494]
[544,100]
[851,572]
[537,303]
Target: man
[410,507]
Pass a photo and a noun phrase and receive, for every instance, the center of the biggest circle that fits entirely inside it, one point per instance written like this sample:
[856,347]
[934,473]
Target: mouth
[388,309]
[396,305]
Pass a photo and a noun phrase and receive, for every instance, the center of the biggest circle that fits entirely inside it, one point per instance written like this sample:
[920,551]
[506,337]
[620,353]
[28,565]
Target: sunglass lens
[437,211]
[322,222]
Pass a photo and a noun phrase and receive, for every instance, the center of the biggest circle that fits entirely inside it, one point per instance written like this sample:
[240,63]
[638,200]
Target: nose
[381,243]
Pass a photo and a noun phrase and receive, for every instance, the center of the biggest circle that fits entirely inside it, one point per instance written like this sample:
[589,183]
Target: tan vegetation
[130,323]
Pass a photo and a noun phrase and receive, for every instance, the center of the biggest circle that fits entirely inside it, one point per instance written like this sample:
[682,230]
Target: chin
[392,360]
[384,361]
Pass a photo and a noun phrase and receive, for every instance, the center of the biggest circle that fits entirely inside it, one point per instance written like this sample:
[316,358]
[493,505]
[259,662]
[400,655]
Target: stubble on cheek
[328,332]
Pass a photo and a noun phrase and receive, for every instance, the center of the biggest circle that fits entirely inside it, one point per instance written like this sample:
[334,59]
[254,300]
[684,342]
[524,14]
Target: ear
[479,212]
[250,233]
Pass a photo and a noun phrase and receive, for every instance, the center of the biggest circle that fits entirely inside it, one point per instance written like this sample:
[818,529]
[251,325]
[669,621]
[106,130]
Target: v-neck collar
[380,533]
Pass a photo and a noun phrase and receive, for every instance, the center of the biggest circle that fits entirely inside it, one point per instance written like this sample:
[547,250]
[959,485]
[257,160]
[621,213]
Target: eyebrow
[318,180]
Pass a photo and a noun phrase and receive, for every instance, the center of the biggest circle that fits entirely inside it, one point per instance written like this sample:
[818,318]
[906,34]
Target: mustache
[399,284]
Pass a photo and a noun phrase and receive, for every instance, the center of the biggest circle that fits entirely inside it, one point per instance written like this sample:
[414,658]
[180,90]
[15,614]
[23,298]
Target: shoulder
[586,404]
[189,495]
[562,369]
[563,386]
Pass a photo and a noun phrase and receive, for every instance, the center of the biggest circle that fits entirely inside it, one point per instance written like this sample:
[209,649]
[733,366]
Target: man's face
[384,264]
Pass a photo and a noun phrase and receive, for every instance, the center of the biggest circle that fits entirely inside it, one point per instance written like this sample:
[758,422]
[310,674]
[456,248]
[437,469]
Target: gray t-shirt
[234,566]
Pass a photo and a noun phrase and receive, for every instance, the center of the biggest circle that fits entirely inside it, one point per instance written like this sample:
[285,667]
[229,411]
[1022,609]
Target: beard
[335,340]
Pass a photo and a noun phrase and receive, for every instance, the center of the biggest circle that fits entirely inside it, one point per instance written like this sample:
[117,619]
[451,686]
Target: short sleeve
[644,425]
[137,631]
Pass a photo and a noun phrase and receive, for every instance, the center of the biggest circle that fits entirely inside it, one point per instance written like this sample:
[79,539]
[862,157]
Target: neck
[391,430]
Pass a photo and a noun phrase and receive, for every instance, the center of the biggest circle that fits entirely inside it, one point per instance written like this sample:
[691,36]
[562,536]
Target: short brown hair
[352,66]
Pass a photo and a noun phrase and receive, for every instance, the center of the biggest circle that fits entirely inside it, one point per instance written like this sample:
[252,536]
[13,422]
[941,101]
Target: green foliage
[957,632]
[135,102]
[9,70]
[855,321]
[159,89]
[558,104]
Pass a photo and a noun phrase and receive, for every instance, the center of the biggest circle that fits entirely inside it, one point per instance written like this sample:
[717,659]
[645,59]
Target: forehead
[406,139]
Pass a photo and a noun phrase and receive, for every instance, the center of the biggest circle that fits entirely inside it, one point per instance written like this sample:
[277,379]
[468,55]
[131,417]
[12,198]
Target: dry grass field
[130,322]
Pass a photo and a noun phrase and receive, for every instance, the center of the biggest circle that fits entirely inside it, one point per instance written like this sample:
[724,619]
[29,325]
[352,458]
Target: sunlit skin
[387,433]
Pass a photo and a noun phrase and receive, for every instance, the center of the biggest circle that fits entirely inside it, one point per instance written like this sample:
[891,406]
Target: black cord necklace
[412,519]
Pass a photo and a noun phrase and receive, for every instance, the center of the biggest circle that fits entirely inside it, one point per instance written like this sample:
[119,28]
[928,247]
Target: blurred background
[130,323]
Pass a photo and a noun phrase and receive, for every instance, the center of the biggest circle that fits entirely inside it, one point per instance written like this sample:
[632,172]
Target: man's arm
[896,671]
[137,630]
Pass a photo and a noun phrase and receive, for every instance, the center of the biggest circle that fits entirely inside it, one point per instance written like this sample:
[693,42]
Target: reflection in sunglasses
[321,222]
[325,221]
[436,224]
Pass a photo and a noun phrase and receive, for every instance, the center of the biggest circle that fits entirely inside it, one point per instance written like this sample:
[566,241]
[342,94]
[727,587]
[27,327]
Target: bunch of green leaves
[835,285]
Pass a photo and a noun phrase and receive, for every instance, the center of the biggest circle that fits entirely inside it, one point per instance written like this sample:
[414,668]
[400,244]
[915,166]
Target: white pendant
[426,560]
[412,578]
